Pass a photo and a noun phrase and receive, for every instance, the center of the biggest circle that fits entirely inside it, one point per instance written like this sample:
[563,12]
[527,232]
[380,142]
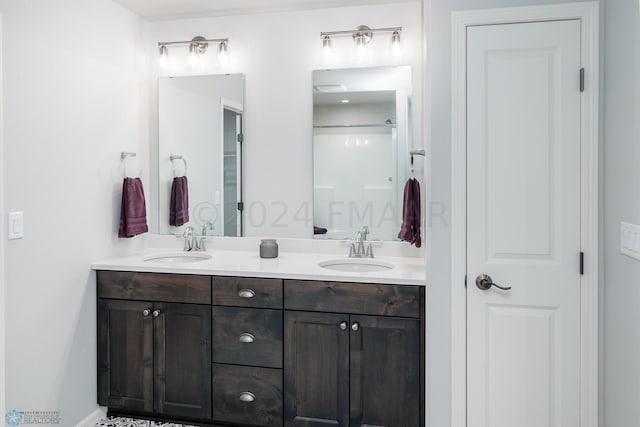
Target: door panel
[125,359]
[523,224]
[183,360]
[385,372]
[316,370]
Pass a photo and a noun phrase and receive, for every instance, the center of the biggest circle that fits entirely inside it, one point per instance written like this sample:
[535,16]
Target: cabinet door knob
[247,338]
[247,396]
[343,326]
[146,312]
[355,326]
[156,313]
[246,293]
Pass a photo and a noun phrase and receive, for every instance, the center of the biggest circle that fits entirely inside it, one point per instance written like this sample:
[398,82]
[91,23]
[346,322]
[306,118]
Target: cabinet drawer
[247,396]
[353,298]
[247,336]
[181,288]
[247,292]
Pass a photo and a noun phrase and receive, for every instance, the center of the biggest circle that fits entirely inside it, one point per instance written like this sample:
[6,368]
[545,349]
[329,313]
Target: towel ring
[124,156]
[172,158]
[416,153]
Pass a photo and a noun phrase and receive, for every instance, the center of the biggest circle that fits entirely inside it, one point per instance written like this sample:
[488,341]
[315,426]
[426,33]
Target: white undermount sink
[356,265]
[178,257]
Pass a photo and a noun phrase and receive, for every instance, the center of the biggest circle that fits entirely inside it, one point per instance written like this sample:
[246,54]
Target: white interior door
[523,224]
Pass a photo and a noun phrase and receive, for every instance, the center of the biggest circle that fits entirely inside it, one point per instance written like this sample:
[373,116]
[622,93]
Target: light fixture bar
[226,40]
[351,32]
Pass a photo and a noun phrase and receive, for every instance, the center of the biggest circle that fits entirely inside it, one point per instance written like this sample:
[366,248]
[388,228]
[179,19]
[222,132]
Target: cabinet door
[125,355]
[316,369]
[182,360]
[385,372]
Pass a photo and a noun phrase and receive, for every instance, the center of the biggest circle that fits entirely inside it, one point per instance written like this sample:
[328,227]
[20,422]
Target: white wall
[277,52]
[72,92]
[621,334]
[437,15]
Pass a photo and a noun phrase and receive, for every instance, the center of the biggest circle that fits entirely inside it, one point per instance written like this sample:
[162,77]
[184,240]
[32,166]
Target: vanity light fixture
[197,46]
[361,36]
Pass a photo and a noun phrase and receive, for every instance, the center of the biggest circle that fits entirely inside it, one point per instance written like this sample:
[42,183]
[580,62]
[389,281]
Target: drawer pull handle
[246,293]
[247,338]
[247,396]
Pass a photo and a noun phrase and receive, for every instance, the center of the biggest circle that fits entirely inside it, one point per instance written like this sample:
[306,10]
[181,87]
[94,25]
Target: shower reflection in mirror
[361,142]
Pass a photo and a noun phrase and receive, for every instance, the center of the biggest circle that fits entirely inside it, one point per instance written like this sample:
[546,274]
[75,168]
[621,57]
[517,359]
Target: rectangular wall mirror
[361,143]
[200,137]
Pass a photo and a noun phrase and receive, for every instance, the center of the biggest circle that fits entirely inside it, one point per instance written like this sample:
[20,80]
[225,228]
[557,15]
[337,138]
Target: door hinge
[240,206]
[581,263]
[240,138]
[581,79]
[465,282]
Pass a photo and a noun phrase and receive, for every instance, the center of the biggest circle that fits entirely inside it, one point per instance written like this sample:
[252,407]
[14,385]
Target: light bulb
[164,56]
[222,52]
[193,55]
[395,43]
[326,47]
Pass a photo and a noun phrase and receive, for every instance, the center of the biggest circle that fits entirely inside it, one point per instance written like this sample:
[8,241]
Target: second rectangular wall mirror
[361,142]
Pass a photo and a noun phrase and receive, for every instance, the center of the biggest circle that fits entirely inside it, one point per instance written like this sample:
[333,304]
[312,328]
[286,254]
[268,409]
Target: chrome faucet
[357,248]
[199,244]
[192,242]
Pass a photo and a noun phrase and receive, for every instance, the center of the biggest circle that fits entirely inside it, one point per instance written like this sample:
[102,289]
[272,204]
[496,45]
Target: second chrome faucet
[357,248]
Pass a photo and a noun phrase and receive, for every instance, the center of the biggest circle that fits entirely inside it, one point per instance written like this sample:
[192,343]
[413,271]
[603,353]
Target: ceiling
[172,9]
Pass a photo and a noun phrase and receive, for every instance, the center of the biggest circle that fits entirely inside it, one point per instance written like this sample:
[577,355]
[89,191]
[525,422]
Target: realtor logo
[13,418]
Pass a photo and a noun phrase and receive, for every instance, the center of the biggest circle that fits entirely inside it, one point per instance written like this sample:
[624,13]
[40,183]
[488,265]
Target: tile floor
[131,422]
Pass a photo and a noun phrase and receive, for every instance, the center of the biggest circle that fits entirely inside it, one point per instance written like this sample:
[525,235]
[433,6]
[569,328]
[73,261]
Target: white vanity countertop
[288,265]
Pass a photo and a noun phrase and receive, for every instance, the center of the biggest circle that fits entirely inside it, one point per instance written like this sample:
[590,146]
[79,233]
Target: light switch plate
[16,225]
[630,240]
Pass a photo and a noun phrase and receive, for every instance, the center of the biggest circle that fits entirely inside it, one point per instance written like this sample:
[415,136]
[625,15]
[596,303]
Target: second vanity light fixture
[197,46]
[362,37]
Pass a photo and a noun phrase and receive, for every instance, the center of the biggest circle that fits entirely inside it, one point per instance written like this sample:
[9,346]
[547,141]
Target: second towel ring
[174,157]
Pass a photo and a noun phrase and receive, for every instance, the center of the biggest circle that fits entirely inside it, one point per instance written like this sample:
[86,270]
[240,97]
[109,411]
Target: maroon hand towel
[133,212]
[319,230]
[179,203]
[411,213]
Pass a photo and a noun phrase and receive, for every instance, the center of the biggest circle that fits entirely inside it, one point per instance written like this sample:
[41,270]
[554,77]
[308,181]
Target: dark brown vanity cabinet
[260,352]
[154,343]
[355,364]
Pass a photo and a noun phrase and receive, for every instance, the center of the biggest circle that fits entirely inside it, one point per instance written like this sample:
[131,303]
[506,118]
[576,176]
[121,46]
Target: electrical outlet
[630,240]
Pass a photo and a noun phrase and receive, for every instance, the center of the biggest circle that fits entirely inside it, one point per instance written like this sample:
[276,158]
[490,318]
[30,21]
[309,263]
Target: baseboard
[93,418]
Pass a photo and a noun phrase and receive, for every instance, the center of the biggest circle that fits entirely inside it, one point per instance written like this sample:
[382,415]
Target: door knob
[146,312]
[156,313]
[355,326]
[485,282]
[343,326]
